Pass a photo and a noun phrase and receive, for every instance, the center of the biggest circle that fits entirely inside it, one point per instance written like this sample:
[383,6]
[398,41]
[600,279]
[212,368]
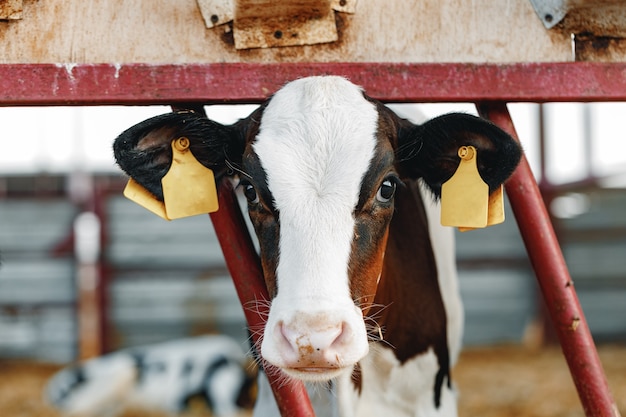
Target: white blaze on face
[316,140]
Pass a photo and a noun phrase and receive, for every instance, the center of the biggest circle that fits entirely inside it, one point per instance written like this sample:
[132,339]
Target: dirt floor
[498,381]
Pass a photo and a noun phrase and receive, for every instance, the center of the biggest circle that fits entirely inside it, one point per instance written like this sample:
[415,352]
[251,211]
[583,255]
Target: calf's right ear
[144,151]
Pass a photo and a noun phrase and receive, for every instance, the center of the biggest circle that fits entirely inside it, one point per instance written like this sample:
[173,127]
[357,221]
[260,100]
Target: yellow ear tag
[496,207]
[495,212]
[188,187]
[464,197]
[135,192]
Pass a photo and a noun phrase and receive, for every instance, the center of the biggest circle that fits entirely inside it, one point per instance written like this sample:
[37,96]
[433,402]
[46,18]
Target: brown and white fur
[361,277]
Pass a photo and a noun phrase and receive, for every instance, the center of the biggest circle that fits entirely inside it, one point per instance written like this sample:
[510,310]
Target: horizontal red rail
[142,84]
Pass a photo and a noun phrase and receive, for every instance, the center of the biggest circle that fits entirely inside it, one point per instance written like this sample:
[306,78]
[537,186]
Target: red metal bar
[142,84]
[245,267]
[554,279]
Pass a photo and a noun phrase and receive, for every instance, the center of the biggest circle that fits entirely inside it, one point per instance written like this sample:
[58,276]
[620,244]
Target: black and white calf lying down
[164,377]
[342,196]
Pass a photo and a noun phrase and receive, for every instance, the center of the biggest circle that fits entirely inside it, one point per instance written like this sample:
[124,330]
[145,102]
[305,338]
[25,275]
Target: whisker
[369,305]
[376,311]
[377,331]
[252,366]
[273,372]
[255,334]
[255,339]
[260,307]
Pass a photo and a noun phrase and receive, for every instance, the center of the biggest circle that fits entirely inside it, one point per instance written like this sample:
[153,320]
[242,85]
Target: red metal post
[554,279]
[245,268]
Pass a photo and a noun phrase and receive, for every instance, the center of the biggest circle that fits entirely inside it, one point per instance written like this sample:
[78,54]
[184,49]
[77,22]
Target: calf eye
[386,191]
[250,193]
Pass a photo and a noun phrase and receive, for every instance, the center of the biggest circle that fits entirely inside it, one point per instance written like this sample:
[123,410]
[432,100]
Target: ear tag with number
[465,196]
[188,187]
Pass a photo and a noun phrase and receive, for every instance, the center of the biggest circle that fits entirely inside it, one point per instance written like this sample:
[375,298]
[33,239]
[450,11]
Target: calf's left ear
[144,151]
[430,151]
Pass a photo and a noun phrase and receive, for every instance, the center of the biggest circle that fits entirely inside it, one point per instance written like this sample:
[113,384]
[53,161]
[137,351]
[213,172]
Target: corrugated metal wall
[37,290]
[168,280]
[594,245]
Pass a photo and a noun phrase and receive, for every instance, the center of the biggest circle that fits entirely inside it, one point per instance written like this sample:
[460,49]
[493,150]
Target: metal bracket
[216,12]
[266,23]
[550,12]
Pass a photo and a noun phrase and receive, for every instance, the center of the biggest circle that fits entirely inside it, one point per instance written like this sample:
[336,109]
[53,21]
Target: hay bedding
[517,382]
[498,381]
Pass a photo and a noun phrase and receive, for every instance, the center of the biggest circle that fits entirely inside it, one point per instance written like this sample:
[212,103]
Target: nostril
[343,336]
[306,340]
[286,342]
[286,334]
[322,339]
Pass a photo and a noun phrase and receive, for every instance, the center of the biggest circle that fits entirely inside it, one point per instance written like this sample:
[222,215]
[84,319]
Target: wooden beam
[144,84]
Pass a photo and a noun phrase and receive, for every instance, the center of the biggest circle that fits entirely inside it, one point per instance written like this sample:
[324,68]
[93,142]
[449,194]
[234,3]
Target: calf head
[319,164]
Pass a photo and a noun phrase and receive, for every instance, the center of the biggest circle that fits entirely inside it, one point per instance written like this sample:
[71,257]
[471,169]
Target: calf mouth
[316,373]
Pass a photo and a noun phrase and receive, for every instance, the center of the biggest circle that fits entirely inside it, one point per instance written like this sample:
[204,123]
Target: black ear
[144,151]
[429,151]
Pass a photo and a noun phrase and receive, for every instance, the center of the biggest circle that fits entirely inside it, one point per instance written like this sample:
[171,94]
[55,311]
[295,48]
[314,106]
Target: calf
[361,277]
[162,377]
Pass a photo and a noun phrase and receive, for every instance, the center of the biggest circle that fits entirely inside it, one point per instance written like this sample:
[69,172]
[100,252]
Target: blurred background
[85,271]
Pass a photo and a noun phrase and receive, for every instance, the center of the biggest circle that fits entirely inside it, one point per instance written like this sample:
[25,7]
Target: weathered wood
[158,31]
[268,23]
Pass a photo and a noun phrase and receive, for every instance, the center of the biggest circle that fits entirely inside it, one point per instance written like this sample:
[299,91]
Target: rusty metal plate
[599,49]
[267,23]
[216,12]
[11,9]
[608,20]
[344,6]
